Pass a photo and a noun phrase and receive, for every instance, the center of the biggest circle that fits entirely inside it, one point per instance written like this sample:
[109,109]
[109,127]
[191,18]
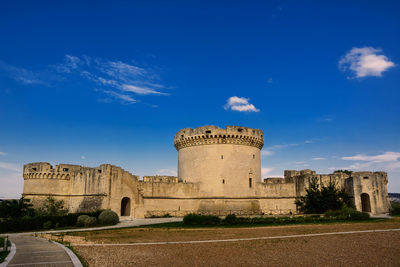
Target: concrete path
[32,251]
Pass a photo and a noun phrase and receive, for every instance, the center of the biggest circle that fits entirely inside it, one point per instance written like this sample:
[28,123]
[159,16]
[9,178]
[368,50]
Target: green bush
[28,223]
[81,220]
[196,219]
[395,210]
[347,214]
[90,221]
[230,219]
[108,217]
[47,225]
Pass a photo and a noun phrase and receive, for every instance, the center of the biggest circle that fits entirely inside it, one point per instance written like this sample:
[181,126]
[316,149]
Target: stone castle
[219,172]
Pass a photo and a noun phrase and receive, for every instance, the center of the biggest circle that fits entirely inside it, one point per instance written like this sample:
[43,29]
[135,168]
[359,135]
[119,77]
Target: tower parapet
[210,135]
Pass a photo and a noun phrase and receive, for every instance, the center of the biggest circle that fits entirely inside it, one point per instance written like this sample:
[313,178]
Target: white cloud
[385,161]
[365,61]
[10,166]
[167,172]
[22,75]
[266,152]
[265,171]
[83,157]
[3,153]
[385,157]
[240,104]
[140,90]
[121,78]
[11,184]
[123,97]
[319,158]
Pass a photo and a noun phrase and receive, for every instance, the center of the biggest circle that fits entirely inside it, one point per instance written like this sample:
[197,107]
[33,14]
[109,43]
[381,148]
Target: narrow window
[99,171]
[223,181]
[65,169]
[365,177]
[182,135]
[250,182]
[208,132]
[34,169]
[254,156]
[222,156]
[240,130]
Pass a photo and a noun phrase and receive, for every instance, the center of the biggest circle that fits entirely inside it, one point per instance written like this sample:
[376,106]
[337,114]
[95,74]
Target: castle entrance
[365,202]
[126,206]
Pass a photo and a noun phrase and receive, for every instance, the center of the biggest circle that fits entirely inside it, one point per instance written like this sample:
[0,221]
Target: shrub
[196,219]
[395,210]
[347,214]
[81,220]
[47,225]
[108,217]
[51,206]
[28,223]
[90,221]
[230,219]
[320,198]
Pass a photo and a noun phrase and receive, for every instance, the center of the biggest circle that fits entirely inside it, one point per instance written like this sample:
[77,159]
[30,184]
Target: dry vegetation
[367,249]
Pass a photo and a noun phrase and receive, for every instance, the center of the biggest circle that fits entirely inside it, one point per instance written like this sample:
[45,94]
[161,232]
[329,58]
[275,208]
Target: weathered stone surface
[219,172]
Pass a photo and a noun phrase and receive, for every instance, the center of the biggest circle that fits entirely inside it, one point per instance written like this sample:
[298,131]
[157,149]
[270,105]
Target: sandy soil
[364,249]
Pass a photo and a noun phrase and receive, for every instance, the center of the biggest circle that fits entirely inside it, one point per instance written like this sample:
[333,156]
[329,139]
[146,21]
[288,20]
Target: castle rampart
[219,172]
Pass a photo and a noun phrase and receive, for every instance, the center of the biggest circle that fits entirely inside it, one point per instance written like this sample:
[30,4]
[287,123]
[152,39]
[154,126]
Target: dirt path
[265,246]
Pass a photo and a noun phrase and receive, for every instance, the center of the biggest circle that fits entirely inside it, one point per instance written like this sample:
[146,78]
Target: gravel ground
[364,249]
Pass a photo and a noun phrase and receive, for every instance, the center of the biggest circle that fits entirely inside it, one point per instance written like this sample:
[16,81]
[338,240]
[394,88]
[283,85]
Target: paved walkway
[32,251]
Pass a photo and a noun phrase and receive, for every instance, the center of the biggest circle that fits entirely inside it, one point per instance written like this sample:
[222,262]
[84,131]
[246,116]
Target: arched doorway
[126,206]
[365,203]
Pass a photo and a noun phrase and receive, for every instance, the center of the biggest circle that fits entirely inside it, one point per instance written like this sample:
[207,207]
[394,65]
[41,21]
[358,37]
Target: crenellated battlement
[44,170]
[208,135]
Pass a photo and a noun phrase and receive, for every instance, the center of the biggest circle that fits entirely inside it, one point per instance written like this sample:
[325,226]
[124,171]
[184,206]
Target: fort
[219,172]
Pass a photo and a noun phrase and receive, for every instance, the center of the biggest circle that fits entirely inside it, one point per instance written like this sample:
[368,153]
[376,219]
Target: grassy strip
[182,225]
[82,260]
[3,254]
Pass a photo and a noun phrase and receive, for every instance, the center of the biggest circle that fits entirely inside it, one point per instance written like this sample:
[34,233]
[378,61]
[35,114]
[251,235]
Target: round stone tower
[226,162]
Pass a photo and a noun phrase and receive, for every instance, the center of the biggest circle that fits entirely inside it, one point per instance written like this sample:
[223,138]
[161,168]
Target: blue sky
[90,82]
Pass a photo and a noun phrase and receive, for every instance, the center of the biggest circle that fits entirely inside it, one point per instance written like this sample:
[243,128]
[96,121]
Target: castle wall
[225,162]
[219,172]
[374,184]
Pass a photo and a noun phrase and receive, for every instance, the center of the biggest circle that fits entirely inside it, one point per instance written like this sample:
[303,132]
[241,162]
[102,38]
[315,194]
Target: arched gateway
[365,202]
[126,206]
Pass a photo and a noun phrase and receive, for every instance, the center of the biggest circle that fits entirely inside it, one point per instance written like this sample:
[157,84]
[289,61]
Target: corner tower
[225,162]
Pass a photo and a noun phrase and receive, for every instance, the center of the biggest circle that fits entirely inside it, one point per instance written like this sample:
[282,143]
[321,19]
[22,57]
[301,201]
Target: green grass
[3,254]
[82,260]
[182,225]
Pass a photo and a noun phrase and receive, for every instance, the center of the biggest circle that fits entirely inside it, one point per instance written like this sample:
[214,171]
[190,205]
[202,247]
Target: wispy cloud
[10,166]
[272,149]
[123,97]
[240,104]
[385,161]
[265,171]
[365,61]
[3,153]
[22,75]
[168,172]
[118,80]
[319,158]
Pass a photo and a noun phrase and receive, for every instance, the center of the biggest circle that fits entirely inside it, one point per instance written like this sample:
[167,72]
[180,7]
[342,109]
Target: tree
[344,171]
[321,198]
[16,208]
[51,206]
